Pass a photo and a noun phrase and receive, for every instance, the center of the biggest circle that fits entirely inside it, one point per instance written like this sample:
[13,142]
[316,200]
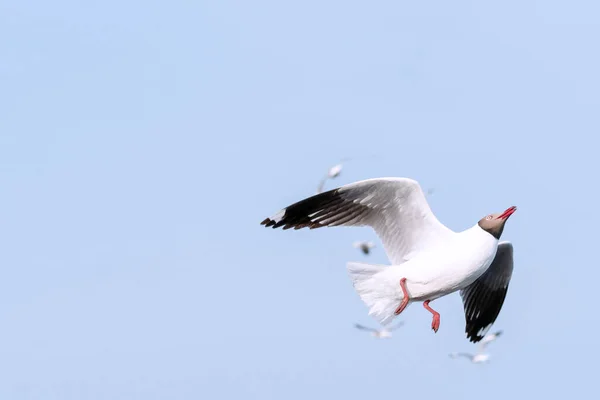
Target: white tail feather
[380,291]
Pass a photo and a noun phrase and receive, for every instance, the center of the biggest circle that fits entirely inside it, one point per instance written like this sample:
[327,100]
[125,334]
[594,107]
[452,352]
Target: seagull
[428,260]
[480,356]
[333,173]
[365,247]
[475,358]
[380,333]
[489,339]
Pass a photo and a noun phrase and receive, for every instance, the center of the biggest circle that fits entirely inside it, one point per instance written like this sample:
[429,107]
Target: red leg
[404,303]
[435,324]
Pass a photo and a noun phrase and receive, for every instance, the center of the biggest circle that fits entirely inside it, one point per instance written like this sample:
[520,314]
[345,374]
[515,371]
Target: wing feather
[395,208]
[483,299]
[364,328]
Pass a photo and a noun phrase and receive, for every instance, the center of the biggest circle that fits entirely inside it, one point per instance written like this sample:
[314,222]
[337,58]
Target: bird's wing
[364,328]
[483,299]
[466,355]
[357,244]
[321,185]
[395,208]
[394,327]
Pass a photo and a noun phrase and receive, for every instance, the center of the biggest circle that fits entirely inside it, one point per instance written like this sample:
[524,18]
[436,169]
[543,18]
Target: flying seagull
[365,247]
[475,358]
[489,339]
[480,356]
[380,333]
[333,173]
[428,260]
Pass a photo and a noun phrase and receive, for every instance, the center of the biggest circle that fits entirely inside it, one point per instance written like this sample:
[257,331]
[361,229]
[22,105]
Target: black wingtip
[474,339]
[278,224]
[268,223]
[301,214]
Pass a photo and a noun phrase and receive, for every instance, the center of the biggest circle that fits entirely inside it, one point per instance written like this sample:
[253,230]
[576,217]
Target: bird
[475,358]
[480,356]
[333,173]
[365,247]
[489,339]
[380,333]
[428,260]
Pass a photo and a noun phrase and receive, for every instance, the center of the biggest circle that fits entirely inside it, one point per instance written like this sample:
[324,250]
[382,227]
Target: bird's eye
[488,217]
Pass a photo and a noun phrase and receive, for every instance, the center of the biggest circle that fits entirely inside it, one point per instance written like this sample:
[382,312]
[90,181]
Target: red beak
[507,213]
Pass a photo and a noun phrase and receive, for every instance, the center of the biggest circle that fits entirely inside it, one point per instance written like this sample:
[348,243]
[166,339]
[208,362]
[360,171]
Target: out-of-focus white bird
[365,247]
[379,333]
[333,173]
[489,339]
[480,357]
[475,358]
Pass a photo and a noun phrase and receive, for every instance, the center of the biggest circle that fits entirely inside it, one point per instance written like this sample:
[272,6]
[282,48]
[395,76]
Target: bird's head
[494,223]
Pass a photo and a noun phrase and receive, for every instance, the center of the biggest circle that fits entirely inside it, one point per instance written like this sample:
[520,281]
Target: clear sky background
[142,142]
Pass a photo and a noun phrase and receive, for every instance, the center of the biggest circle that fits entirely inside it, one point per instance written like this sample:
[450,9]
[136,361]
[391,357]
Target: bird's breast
[452,267]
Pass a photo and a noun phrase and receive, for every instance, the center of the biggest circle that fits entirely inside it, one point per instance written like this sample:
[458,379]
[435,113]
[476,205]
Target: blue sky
[142,142]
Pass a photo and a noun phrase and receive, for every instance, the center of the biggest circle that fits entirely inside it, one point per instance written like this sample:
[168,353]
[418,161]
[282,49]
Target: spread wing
[395,208]
[394,327]
[483,299]
[466,355]
[321,185]
[364,328]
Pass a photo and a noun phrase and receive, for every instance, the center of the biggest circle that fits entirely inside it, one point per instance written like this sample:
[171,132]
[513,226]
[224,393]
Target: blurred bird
[475,358]
[480,356]
[379,333]
[489,339]
[333,173]
[365,247]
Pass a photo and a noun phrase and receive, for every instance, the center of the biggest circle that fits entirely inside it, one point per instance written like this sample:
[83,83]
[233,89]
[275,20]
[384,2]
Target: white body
[430,274]
[479,358]
[335,171]
[382,334]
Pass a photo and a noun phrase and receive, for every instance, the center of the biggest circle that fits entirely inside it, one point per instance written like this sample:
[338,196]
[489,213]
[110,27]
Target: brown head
[494,223]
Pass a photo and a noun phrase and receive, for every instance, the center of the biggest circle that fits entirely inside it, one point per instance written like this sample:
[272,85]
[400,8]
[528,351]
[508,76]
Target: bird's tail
[380,291]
